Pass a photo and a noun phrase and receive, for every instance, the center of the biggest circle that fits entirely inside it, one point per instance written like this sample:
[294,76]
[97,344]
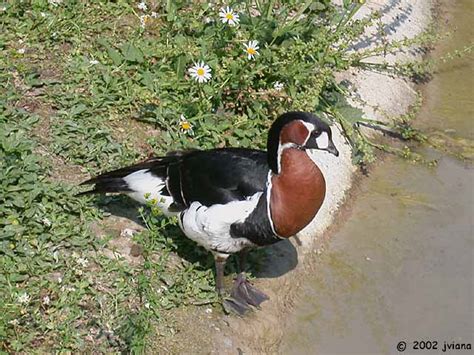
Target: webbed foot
[243,296]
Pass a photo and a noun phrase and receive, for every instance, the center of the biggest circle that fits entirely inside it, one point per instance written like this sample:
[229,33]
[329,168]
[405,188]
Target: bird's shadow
[266,262]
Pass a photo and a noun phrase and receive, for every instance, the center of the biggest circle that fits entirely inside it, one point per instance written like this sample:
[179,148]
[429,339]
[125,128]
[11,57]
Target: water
[401,267]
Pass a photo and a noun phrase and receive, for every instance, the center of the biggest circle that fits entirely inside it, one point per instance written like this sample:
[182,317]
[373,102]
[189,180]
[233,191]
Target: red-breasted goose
[232,199]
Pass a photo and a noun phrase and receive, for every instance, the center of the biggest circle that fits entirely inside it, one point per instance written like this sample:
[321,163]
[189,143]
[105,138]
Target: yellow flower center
[251,51]
[229,16]
[185,125]
[200,72]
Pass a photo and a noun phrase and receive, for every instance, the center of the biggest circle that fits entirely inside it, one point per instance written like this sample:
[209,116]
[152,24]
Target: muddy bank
[286,268]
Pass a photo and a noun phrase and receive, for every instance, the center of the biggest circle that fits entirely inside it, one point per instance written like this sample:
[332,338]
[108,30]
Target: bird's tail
[122,181]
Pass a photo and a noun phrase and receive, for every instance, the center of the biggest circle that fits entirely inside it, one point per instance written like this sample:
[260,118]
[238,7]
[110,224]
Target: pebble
[127,232]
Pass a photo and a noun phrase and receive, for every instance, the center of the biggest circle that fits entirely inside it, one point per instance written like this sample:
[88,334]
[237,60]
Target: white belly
[210,226]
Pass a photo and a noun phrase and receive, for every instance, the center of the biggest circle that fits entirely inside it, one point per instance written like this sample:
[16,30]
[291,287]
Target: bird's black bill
[332,149]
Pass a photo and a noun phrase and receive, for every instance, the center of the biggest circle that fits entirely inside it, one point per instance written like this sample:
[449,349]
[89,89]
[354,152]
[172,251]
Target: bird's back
[210,177]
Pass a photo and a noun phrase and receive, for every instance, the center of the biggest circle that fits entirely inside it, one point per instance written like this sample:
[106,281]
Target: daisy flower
[200,72]
[228,15]
[46,222]
[142,6]
[93,62]
[21,50]
[55,2]
[185,126]
[24,298]
[83,262]
[278,86]
[144,19]
[251,49]
[46,300]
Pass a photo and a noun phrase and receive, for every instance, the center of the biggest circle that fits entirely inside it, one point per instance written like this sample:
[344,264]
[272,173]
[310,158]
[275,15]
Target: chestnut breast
[297,192]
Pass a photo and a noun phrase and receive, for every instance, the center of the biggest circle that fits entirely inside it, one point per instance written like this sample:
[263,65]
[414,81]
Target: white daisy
[278,86]
[185,126]
[144,19]
[200,72]
[82,261]
[142,6]
[93,62]
[228,15]
[46,300]
[55,2]
[56,256]
[46,222]
[24,298]
[21,50]
[154,14]
[251,49]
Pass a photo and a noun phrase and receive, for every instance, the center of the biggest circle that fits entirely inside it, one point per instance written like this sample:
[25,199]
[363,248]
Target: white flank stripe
[281,148]
[147,187]
[269,212]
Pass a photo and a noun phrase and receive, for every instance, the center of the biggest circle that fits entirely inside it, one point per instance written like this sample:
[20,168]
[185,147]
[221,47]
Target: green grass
[85,88]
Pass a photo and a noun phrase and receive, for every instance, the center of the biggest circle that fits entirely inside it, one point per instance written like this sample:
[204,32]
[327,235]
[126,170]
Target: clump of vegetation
[82,85]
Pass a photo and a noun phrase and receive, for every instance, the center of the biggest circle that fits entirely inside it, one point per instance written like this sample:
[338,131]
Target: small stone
[136,250]
[228,343]
[127,232]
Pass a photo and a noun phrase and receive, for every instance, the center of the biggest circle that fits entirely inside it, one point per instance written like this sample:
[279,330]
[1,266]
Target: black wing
[210,177]
[218,176]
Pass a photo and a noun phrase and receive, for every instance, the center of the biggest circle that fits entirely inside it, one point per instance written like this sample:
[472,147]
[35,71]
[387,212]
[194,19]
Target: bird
[231,200]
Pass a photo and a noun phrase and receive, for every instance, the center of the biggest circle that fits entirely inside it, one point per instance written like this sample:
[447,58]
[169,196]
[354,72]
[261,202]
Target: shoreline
[260,332]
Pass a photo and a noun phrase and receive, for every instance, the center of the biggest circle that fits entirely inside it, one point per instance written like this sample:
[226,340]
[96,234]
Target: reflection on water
[401,267]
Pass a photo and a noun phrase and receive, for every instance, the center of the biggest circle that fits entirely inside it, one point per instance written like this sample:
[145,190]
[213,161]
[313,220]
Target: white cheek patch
[310,128]
[322,140]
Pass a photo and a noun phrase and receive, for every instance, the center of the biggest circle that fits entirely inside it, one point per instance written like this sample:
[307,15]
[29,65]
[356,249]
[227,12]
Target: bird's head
[301,130]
